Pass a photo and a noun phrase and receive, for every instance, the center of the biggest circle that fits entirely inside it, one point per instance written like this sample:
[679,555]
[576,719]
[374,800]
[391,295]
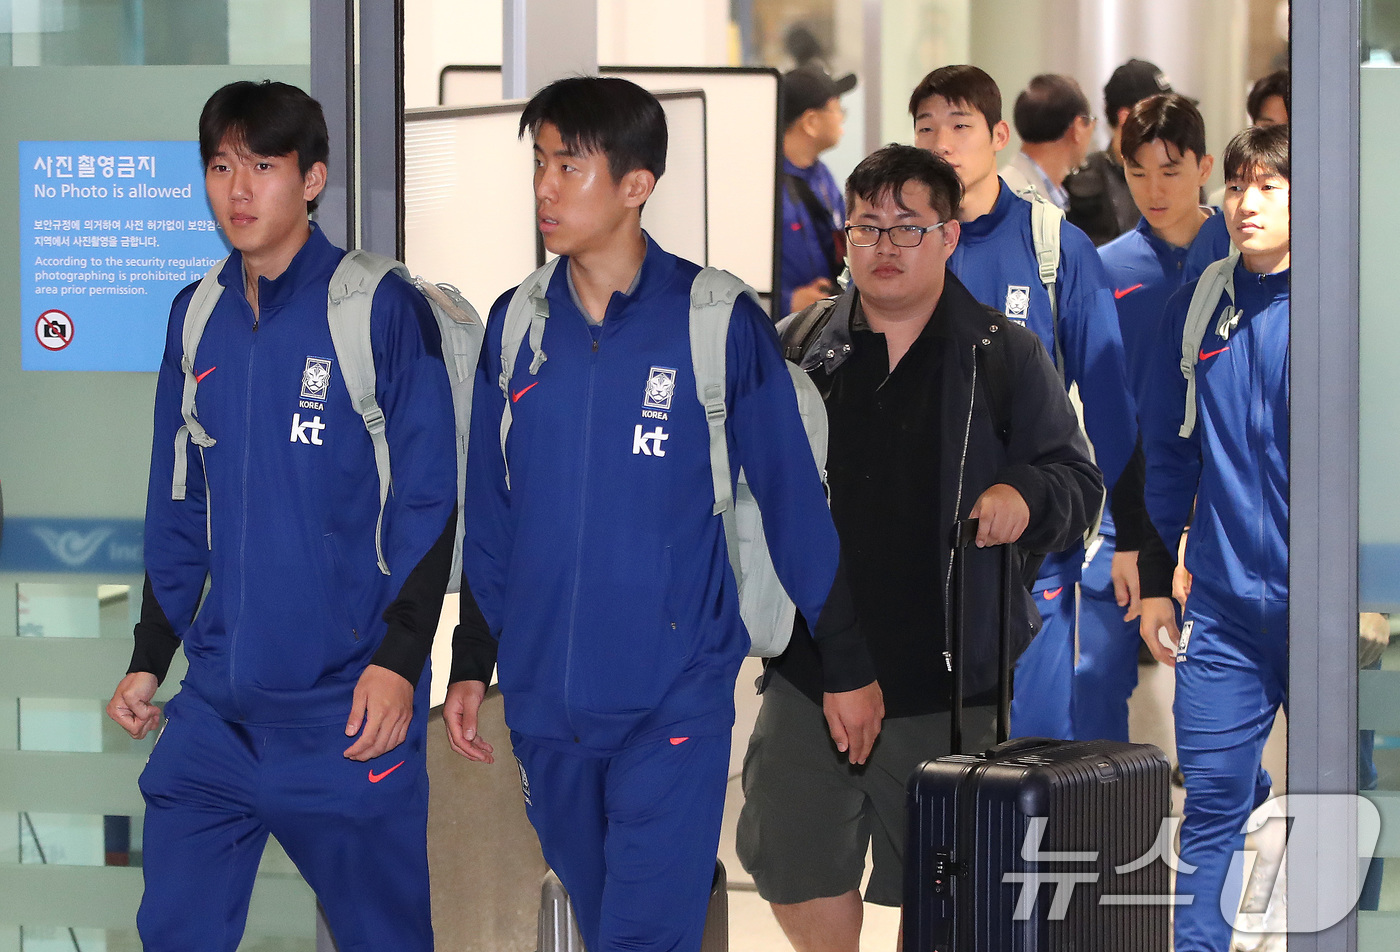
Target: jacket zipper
[578,547]
[957,514]
[243,525]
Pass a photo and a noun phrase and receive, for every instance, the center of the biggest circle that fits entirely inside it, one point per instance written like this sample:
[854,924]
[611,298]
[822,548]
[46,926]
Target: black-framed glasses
[901,236]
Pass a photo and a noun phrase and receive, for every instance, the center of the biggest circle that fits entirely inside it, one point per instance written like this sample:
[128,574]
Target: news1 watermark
[1316,829]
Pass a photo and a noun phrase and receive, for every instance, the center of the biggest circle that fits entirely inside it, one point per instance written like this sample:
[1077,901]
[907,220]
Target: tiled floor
[751,924]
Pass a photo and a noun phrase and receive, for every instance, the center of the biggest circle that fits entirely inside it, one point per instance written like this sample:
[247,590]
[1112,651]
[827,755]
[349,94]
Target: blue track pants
[632,836]
[1045,671]
[1231,679]
[214,790]
[1107,670]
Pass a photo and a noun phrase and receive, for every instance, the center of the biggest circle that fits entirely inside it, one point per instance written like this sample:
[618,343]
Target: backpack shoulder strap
[348,305]
[201,306]
[1217,278]
[798,332]
[1045,237]
[712,297]
[527,311]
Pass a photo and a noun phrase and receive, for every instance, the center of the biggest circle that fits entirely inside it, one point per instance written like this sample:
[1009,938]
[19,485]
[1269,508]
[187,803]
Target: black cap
[1131,83]
[809,87]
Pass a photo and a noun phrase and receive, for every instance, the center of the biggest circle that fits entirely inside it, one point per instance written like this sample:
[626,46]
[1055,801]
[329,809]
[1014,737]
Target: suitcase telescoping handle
[964,534]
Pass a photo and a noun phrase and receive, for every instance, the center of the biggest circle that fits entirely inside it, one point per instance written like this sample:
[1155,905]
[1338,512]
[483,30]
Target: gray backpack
[767,611]
[1045,238]
[1217,278]
[351,293]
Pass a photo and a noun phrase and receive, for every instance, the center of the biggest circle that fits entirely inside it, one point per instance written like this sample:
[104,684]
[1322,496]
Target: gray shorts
[809,816]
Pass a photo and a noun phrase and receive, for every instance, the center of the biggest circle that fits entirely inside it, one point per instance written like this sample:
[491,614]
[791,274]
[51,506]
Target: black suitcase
[977,874]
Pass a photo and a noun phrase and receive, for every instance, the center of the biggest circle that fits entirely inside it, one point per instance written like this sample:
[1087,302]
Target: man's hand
[854,717]
[1126,588]
[1373,637]
[459,715]
[131,705]
[1159,614]
[1001,514]
[383,705]
[1181,579]
[810,294]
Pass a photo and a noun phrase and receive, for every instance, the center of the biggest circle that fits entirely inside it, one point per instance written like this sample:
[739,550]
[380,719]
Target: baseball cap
[809,87]
[1135,80]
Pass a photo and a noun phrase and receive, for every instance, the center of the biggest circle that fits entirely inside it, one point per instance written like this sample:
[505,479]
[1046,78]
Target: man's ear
[314,181]
[637,186]
[952,232]
[1207,163]
[1001,135]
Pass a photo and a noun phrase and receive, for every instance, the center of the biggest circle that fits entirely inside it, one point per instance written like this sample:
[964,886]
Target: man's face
[1166,184]
[1272,112]
[578,206]
[893,278]
[260,200]
[958,133]
[1256,213]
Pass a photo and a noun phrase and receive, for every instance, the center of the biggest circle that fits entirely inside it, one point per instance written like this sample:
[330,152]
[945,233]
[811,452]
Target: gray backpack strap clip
[527,311]
[1217,278]
[201,306]
[712,297]
[348,305]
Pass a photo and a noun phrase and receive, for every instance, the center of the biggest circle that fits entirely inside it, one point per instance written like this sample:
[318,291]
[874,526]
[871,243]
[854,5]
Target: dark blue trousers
[357,831]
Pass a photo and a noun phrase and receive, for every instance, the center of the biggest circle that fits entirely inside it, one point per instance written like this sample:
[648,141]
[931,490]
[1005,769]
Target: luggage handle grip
[962,535]
[1019,745]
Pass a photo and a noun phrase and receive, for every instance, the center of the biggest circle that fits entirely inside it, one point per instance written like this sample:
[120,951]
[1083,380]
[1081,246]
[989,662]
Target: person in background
[1164,149]
[1052,118]
[1099,201]
[813,247]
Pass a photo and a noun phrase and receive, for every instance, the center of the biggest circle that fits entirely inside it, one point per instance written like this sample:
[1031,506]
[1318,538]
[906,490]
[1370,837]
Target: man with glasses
[1052,118]
[957,116]
[939,409]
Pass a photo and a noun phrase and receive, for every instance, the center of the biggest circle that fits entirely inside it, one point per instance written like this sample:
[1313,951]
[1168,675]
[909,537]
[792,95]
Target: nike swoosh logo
[515,398]
[677,741]
[1052,593]
[1208,356]
[375,778]
[200,377]
[1120,294]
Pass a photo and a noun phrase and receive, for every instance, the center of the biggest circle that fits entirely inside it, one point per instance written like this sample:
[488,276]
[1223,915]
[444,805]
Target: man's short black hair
[960,86]
[604,115]
[1171,119]
[884,173]
[1047,107]
[1258,151]
[265,118]
[1278,83]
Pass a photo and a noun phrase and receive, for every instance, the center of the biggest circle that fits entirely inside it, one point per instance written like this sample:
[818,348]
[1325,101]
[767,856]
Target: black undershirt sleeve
[413,616]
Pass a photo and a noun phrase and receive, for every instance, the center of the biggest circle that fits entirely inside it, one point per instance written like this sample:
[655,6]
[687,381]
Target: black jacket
[1030,441]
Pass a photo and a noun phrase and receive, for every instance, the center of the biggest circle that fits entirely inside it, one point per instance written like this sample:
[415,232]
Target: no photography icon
[54,329]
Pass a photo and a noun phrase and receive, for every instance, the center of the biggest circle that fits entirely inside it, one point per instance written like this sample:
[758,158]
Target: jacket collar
[316,261]
[957,316]
[657,274]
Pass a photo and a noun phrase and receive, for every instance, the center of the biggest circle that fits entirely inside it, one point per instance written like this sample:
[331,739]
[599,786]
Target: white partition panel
[741,154]
[469,206]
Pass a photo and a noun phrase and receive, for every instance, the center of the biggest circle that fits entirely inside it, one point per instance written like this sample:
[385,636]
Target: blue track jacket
[1144,271]
[1235,463]
[296,604]
[995,260]
[602,571]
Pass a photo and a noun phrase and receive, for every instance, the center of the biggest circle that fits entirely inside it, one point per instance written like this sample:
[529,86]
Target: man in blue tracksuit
[957,115]
[1231,654]
[1163,144]
[304,708]
[600,571]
